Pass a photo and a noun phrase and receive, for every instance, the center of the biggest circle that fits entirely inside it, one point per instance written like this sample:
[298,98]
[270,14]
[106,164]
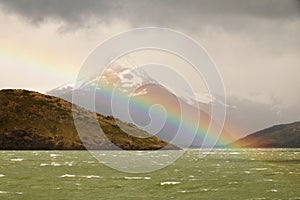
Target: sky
[255,44]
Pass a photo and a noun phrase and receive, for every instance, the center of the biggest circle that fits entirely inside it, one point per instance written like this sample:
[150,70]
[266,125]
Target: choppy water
[223,174]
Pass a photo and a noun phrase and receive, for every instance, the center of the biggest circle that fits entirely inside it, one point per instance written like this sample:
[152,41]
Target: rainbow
[190,126]
[141,105]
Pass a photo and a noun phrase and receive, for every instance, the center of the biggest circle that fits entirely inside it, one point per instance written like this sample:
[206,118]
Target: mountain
[123,74]
[279,136]
[141,102]
[144,92]
[190,121]
[30,120]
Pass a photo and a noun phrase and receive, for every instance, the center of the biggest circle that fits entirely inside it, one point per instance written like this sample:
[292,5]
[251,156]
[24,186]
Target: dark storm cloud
[190,14]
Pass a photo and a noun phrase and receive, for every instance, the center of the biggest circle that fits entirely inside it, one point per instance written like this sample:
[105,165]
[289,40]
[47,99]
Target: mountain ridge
[277,136]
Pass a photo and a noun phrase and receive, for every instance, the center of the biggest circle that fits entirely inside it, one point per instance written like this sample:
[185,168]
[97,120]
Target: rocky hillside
[279,136]
[30,120]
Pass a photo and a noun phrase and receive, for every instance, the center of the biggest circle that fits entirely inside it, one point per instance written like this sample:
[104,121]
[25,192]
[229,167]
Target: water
[222,174]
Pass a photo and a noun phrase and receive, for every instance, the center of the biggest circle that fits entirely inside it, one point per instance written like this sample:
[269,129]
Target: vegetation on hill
[30,120]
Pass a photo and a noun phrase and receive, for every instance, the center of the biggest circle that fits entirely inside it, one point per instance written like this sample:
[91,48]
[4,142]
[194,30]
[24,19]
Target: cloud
[254,43]
[191,14]
[275,23]
[249,116]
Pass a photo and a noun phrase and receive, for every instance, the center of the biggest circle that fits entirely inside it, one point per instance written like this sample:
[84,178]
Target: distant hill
[279,136]
[30,120]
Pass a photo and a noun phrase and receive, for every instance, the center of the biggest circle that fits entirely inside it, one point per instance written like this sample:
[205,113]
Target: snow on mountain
[123,75]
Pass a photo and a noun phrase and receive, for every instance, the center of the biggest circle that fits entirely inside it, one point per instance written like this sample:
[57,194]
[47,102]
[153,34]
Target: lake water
[222,174]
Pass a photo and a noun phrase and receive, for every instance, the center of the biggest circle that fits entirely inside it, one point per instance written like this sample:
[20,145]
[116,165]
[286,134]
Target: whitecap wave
[54,155]
[91,176]
[68,176]
[17,159]
[170,183]
[259,169]
[136,178]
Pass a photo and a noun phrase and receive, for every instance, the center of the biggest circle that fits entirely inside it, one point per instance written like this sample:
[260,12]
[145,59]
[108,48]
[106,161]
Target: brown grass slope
[30,120]
[279,136]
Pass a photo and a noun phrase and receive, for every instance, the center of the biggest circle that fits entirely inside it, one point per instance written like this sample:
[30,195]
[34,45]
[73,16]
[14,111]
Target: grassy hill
[279,136]
[30,120]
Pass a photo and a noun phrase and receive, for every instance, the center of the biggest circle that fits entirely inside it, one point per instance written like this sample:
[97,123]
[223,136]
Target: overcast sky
[256,45]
